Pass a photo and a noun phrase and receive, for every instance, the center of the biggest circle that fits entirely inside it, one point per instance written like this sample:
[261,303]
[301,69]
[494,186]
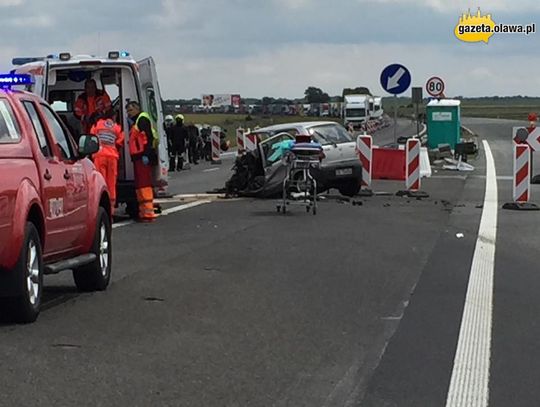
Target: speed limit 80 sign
[435,86]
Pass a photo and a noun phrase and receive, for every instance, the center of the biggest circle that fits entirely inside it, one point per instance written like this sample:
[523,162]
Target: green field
[501,108]
[469,108]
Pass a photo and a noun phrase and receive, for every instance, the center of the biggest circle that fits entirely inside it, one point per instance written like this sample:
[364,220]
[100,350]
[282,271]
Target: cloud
[462,5]
[287,72]
[42,21]
[11,3]
[279,47]
[293,4]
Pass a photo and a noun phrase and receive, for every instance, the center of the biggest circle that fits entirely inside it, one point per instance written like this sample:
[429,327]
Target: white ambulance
[60,80]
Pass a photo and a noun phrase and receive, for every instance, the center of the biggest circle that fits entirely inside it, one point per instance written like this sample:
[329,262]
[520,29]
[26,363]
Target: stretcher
[299,185]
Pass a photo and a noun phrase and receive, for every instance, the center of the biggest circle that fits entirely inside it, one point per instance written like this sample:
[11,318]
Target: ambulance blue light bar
[118,54]
[7,80]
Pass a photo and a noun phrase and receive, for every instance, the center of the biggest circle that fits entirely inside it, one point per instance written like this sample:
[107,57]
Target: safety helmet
[179,117]
[169,118]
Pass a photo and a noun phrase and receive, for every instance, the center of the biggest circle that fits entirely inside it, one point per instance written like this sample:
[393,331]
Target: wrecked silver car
[260,173]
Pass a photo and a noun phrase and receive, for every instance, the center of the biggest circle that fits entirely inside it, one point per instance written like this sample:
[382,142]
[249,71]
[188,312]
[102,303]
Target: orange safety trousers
[144,191]
[108,167]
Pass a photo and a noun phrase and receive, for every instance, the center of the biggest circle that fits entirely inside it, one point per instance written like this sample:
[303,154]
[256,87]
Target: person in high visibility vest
[111,140]
[91,103]
[142,143]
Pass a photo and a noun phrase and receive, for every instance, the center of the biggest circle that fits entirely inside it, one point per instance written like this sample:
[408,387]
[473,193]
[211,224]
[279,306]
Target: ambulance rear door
[151,103]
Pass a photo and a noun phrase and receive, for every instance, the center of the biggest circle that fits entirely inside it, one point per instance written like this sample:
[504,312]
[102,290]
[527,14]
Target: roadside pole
[395,118]
[365,118]
[417,99]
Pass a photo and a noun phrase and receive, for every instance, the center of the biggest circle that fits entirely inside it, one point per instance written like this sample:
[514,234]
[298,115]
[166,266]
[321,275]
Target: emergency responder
[143,141]
[193,143]
[177,143]
[111,140]
[90,103]
[169,121]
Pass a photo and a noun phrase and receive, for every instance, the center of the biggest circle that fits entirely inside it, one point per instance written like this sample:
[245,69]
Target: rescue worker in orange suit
[142,149]
[111,140]
[91,103]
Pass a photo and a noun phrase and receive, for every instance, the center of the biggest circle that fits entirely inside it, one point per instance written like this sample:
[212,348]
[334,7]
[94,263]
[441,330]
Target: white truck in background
[377,111]
[356,110]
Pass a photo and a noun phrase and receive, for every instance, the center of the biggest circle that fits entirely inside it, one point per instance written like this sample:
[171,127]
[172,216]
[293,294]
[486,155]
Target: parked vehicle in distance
[55,212]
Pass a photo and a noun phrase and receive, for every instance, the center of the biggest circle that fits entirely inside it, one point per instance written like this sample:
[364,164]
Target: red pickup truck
[55,212]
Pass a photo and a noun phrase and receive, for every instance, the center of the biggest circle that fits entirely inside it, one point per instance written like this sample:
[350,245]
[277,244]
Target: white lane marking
[182,207]
[123,223]
[164,212]
[469,385]
[211,169]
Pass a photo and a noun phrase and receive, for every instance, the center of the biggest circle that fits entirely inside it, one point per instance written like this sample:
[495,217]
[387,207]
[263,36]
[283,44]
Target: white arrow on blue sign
[395,79]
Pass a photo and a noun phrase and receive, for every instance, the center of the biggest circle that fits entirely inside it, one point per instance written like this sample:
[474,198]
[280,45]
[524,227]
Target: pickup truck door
[52,182]
[75,206]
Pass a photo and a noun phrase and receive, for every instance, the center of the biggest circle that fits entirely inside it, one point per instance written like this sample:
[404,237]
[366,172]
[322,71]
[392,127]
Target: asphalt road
[229,303]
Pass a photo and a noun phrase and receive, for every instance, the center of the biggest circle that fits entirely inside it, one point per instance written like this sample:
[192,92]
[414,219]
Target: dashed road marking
[164,212]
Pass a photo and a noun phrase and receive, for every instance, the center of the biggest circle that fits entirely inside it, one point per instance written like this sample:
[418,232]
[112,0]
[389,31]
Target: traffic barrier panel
[240,139]
[364,148]
[522,175]
[521,183]
[412,170]
[388,163]
[412,154]
[216,148]
[250,142]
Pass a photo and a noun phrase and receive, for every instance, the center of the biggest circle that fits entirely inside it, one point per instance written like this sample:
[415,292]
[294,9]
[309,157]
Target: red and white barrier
[412,168]
[216,148]
[522,175]
[364,148]
[240,139]
[250,142]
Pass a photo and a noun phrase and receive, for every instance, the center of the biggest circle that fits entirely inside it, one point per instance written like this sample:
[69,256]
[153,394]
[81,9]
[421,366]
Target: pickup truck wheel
[96,275]
[25,306]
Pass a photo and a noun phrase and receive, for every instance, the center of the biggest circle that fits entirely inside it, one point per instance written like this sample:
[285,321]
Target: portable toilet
[443,122]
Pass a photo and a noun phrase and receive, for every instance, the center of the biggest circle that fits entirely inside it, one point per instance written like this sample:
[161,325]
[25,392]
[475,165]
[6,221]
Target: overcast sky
[280,47]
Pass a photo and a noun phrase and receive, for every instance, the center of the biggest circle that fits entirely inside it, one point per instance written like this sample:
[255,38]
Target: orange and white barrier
[522,176]
[364,148]
[412,168]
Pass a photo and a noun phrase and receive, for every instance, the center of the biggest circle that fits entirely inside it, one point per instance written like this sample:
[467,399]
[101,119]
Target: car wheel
[351,188]
[26,305]
[96,275]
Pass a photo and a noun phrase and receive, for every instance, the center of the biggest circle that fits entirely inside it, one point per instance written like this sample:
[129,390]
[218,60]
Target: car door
[74,176]
[53,185]
[266,148]
[151,103]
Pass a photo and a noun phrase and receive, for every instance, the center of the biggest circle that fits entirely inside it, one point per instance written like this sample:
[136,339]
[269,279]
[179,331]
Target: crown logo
[474,28]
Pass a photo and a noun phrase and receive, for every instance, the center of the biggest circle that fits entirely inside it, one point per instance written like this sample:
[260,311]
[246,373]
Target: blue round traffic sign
[395,79]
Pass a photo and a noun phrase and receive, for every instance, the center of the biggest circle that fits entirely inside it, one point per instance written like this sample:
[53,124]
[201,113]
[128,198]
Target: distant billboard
[218,100]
